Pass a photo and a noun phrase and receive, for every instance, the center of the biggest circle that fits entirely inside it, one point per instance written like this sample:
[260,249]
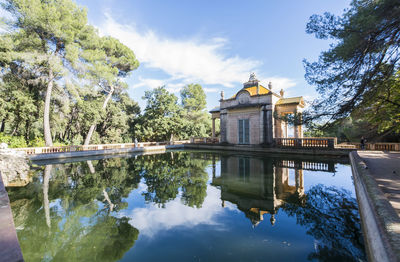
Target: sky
[216,44]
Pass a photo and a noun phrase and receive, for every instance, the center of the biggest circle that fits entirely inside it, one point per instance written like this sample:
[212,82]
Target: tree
[194,105]
[52,63]
[114,61]
[117,122]
[383,113]
[193,98]
[46,38]
[365,55]
[162,116]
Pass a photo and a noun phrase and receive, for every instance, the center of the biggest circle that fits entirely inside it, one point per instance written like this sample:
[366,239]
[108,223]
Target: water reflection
[92,210]
[258,186]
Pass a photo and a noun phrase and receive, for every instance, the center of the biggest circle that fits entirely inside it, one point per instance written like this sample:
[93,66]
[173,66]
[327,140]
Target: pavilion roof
[253,91]
[215,109]
[291,100]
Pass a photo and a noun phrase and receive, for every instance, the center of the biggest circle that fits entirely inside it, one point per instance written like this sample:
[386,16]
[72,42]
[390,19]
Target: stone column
[268,132]
[278,180]
[213,166]
[223,131]
[284,129]
[213,127]
[299,181]
[301,125]
[262,125]
[298,130]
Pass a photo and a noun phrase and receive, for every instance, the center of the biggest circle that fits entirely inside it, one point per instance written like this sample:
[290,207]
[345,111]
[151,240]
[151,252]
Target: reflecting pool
[189,206]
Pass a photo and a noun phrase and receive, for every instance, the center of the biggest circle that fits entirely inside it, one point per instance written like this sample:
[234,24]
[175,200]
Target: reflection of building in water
[258,186]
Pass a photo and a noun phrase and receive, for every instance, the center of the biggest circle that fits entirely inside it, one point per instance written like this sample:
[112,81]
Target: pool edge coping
[10,249]
[378,217]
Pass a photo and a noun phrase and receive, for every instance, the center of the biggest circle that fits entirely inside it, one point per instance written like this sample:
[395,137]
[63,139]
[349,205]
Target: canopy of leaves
[54,35]
[364,57]
[164,118]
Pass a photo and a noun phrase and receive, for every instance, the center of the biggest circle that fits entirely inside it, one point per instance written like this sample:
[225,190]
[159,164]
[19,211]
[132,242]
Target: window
[244,131]
[244,169]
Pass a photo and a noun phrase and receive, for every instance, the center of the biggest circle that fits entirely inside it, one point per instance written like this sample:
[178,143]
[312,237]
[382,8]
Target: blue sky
[214,43]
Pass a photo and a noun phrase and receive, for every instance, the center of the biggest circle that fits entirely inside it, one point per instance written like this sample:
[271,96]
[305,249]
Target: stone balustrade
[307,142]
[376,146]
[204,140]
[63,149]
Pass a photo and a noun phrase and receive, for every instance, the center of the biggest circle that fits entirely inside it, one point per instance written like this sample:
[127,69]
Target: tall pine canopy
[361,69]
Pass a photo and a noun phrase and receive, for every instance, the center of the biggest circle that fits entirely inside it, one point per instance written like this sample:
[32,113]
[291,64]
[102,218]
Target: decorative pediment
[243,97]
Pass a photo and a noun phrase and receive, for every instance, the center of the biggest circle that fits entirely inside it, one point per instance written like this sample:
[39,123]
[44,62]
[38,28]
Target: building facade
[255,115]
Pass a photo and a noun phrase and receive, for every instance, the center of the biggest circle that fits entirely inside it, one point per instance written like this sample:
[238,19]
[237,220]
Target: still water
[189,206]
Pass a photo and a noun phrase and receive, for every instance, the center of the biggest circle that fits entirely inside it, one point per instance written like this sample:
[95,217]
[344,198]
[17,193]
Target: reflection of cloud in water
[151,219]
[141,188]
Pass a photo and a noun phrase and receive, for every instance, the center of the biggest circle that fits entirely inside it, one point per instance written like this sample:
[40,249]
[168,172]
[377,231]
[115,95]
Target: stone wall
[260,99]
[233,116]
[14,168]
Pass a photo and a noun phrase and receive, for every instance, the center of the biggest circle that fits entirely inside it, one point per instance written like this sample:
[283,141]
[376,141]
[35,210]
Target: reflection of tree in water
[85,234]
[65,214]
[331,216]
[165,175]
[75,226]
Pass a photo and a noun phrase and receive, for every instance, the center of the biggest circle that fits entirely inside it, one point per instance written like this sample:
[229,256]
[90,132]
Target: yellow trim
[253,91]
[291,100]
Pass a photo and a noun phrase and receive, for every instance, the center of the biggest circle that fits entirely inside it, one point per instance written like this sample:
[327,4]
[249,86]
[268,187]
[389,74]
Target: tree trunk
[46,113]
[107,198]
[91,167]
[93,127]
[46,202]
[27,130]
[2,125]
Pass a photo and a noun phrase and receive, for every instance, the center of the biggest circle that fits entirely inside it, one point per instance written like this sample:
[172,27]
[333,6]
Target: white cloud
[174,88]
[211,90]
[154,83]
[149,82]
[279,83]
[188,60]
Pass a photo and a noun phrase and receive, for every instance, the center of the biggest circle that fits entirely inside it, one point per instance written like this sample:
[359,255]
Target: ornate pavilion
[252,115]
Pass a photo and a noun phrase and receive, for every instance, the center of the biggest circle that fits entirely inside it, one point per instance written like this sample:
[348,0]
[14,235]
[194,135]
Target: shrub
[13,141]
[37,142]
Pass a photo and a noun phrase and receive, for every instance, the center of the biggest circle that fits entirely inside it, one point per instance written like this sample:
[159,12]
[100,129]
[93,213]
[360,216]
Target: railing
[307,142]
[307,165]
[375,146]
[204,140]
[345,146]
[64,149]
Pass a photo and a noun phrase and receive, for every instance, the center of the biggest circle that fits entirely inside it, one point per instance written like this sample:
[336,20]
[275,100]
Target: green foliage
[53,37]
[13,141]
[37,142]
[161,118]
[357,70]
[84,222]
[164,118]
[198,121]
[351,129]
[51,54]
[331,216]
[193,98]
[383,113]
